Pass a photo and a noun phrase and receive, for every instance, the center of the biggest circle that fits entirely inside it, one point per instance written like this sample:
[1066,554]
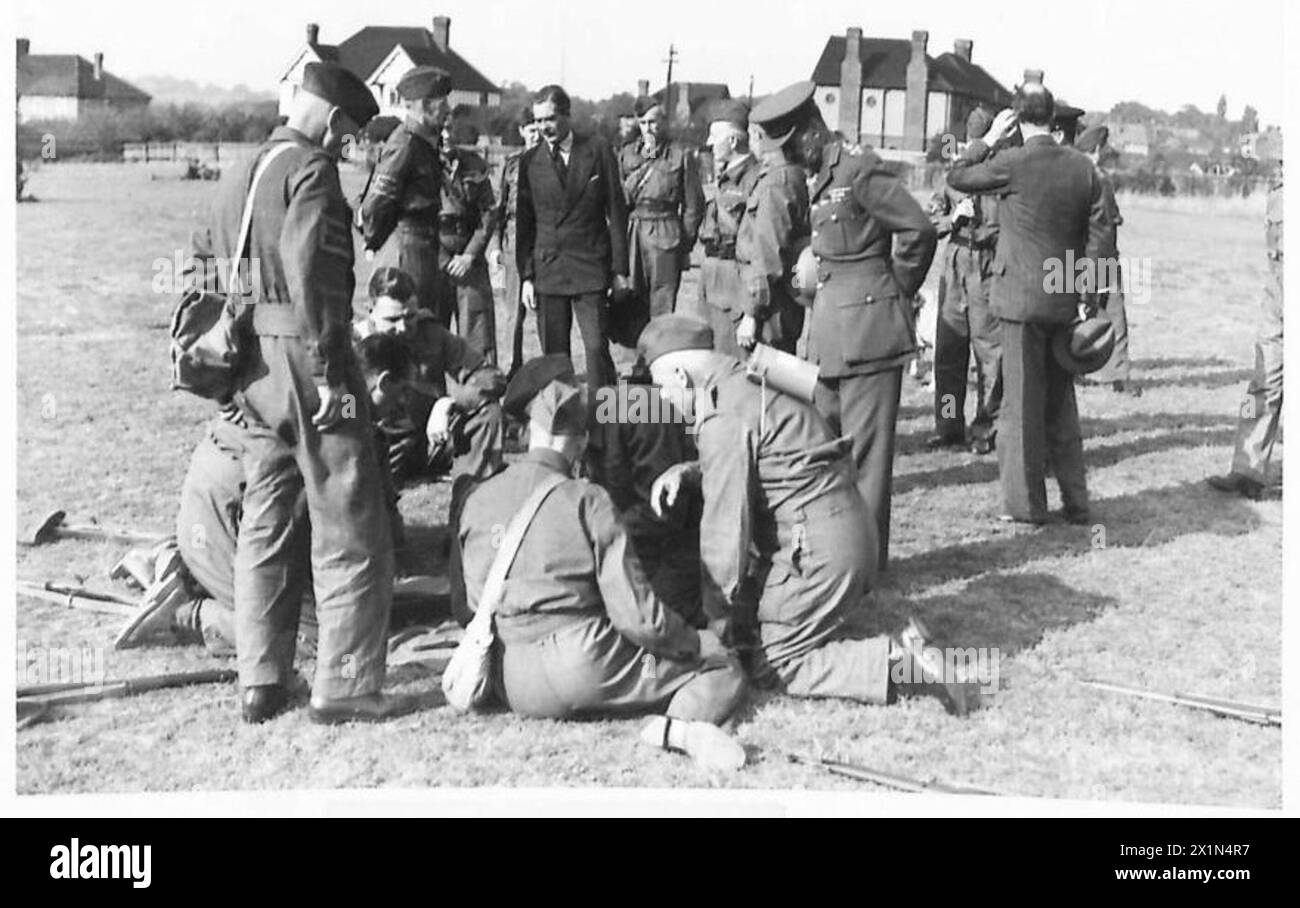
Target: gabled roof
[884,65]
[697,93]
[363,52]
[884,62]
[73,76]
[967,78]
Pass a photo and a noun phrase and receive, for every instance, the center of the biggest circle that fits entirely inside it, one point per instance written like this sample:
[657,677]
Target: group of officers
[689,561]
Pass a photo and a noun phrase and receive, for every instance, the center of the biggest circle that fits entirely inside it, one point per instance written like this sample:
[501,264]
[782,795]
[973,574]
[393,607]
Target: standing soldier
[1118,369]
[502,255]
[399,214]
[723,291]
[1262,409]
[665,203]
[965,324]
[872,245]
[773,229]
[308,419]
[465,222]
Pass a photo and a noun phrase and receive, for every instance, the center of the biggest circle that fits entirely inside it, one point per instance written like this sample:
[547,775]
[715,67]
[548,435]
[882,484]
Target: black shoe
[1241,485]
[945,442]
[914,671]
[1012,518]
[263,701]
[1076,516]
[366,708]
[982,446]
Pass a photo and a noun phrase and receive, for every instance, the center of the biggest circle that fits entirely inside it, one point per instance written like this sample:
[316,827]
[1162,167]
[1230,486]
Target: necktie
[558,160]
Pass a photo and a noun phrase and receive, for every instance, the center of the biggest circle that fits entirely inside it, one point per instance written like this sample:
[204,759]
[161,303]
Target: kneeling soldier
[581,632]
[783,522]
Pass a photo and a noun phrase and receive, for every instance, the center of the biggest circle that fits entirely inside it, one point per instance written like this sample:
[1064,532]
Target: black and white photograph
[538,408]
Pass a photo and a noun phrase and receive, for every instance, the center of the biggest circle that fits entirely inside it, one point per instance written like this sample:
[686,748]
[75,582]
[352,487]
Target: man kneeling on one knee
[787,542]
[581,631]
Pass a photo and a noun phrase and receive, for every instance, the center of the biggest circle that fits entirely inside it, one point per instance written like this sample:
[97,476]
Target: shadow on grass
[1190,431]
[1011,612]
[1142,519]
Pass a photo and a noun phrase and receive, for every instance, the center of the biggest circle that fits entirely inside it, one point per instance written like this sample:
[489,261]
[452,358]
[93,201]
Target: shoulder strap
[510,542]
[246,220]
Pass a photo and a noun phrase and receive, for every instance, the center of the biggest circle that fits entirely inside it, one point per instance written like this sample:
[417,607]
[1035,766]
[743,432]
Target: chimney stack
[642,88]
[99,67]
[918,88]
[1033,75]
[313,34]
[850,113]
[962,48]
[24,47]
[442,32]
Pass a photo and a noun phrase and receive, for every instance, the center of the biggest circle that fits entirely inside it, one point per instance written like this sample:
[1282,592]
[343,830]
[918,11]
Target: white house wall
[827,98]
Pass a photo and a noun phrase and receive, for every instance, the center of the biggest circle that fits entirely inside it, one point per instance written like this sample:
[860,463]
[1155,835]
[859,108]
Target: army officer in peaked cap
[873,245]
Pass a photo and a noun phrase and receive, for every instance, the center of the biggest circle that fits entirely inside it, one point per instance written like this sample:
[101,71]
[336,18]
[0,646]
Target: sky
[1164,54]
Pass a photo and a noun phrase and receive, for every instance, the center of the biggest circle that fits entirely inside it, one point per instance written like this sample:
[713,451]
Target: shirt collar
[565,144]
[545,457]
[417,128]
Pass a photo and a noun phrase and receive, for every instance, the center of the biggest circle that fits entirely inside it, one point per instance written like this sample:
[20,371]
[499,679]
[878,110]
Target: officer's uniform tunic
[773,229]
[400,211]
[465,221]
[722,288]
[665,203]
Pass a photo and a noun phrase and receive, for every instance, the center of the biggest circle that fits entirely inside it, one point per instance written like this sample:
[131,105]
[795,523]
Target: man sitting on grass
[190,581]
[581,631]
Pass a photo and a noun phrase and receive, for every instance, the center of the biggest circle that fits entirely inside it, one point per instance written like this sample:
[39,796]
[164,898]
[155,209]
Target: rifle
[886,779]
[91,692]
[1247,712]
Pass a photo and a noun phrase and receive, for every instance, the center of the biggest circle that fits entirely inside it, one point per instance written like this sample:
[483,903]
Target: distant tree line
[101,134]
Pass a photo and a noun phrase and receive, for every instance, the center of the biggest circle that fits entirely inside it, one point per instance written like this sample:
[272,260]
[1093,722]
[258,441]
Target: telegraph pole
[672,56]
[750,98]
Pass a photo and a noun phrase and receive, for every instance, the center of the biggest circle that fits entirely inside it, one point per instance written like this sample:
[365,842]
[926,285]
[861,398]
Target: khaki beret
[670,333]
[531,378]
[424,82]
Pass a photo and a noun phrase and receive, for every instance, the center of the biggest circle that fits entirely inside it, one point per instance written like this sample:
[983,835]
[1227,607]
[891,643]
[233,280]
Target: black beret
[531,378]
[342,88]
[644,105]
[780,114]
[670,333]
[1094,138]
[424,82]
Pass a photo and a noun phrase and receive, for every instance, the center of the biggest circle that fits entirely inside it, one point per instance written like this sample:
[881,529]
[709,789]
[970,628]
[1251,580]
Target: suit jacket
[1052,216]
[571,236]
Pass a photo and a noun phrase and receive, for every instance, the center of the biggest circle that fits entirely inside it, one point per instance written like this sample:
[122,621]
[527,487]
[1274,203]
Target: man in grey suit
[1052,218]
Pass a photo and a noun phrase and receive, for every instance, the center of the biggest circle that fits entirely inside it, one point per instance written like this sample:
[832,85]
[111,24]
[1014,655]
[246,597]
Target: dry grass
[1183,592]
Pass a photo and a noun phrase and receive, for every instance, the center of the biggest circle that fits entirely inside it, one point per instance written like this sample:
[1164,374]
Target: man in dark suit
[1052,218]
[571,233]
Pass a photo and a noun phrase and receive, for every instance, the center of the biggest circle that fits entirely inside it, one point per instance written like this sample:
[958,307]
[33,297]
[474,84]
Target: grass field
[1175,588]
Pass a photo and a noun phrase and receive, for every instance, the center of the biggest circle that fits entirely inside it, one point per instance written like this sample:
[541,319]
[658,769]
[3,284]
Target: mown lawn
[1174,588]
